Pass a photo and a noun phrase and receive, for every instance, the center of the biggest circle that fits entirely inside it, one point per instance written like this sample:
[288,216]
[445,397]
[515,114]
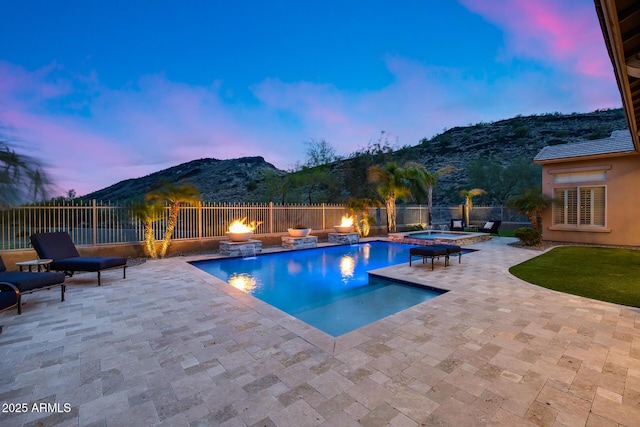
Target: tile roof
[619,142]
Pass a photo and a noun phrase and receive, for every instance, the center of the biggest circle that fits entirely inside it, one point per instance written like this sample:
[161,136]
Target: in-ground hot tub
[434,237]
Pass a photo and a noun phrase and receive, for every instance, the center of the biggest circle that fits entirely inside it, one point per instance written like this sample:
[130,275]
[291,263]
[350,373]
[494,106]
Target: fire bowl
[239,237]
[299,232]
[343,228]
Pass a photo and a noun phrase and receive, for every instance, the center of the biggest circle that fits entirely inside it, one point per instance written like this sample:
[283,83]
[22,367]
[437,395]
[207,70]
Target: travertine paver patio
[171,345]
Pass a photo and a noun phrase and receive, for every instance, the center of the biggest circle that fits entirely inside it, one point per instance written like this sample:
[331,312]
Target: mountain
[230,181]
[510,144]
[497,157]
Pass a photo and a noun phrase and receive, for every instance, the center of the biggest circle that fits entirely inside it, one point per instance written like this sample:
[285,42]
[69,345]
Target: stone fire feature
[308,242]
[344,238]
[248,248]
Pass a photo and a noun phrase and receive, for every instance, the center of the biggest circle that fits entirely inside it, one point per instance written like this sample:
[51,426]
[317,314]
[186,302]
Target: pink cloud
[41,85]
[566,33]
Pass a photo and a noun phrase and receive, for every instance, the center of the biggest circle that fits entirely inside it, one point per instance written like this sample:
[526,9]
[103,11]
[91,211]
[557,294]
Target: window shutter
[580,206]
[598,208]
[558,206]
[586,206]
[572,206]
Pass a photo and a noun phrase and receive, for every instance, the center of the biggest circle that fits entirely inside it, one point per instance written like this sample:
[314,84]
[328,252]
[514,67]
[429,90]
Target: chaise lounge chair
[59,247]
[14,284]
[457,224]
[491,227]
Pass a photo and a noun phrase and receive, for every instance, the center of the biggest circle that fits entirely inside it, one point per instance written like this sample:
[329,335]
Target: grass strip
[605,274]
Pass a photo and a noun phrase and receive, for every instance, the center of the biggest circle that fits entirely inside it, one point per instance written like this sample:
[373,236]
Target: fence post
[270,217]
[95,221]
[199,215]
[323,218]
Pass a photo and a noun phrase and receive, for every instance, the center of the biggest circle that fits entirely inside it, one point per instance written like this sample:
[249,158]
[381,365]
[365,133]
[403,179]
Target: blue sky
[106,91]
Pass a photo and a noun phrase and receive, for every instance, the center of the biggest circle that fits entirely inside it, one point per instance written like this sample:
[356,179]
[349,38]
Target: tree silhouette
[468,201]
[175,196]
[22,177]
[395,182]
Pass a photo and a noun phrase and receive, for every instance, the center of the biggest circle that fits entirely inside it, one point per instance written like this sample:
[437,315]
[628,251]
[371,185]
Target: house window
[580,206]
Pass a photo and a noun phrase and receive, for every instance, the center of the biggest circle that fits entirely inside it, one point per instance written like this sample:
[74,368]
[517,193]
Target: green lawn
[605,274]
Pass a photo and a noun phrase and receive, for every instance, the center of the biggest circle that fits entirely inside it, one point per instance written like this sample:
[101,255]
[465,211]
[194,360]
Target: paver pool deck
[171,345]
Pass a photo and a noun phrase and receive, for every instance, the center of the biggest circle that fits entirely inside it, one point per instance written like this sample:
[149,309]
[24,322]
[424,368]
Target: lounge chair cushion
[7,299]
[87,263]
[54,246]
[457,224]
[488,224]
[26,281]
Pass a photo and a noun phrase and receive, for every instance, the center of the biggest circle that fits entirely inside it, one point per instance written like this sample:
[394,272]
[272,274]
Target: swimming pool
[328,288]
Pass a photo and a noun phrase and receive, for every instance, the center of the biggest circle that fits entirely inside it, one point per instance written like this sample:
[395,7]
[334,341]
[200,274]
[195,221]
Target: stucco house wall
[616,168]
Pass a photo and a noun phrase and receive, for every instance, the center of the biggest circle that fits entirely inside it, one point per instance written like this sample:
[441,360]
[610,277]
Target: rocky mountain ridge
[517,139]
[218,180]
[502,142]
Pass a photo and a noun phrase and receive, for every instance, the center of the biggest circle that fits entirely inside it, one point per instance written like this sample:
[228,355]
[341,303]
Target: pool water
[328,288]
[435,235]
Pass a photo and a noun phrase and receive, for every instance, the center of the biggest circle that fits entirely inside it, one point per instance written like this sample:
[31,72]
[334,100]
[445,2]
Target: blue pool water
[328,288]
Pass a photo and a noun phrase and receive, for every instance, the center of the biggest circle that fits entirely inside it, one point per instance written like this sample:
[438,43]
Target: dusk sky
[106,91]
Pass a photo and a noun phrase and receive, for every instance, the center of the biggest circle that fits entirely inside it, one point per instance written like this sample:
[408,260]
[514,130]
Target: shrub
[528,236]
[598,133]
[415,227]
[521,131]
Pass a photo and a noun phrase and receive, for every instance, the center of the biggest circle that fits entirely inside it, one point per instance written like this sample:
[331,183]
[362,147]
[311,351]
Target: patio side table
[39,263]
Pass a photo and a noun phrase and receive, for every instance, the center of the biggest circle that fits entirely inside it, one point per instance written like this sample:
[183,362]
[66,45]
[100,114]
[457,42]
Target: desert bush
[521,131]
[528,236]
[415,227]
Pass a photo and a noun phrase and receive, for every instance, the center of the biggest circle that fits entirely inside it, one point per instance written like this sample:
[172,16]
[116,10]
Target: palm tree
[361,207]
[175,196]
[392,184]
[22,177]
[395,182]
[431,183]
[419,180]
[38,180]
[468,201]
[149,213]
[532,202]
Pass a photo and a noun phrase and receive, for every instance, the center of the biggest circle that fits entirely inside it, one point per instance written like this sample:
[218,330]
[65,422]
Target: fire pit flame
[241,232]
[347,221]
[239,226]
[346,226]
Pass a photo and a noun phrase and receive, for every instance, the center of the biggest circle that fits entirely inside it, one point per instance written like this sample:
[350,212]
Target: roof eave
[589,157]
[608,16]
